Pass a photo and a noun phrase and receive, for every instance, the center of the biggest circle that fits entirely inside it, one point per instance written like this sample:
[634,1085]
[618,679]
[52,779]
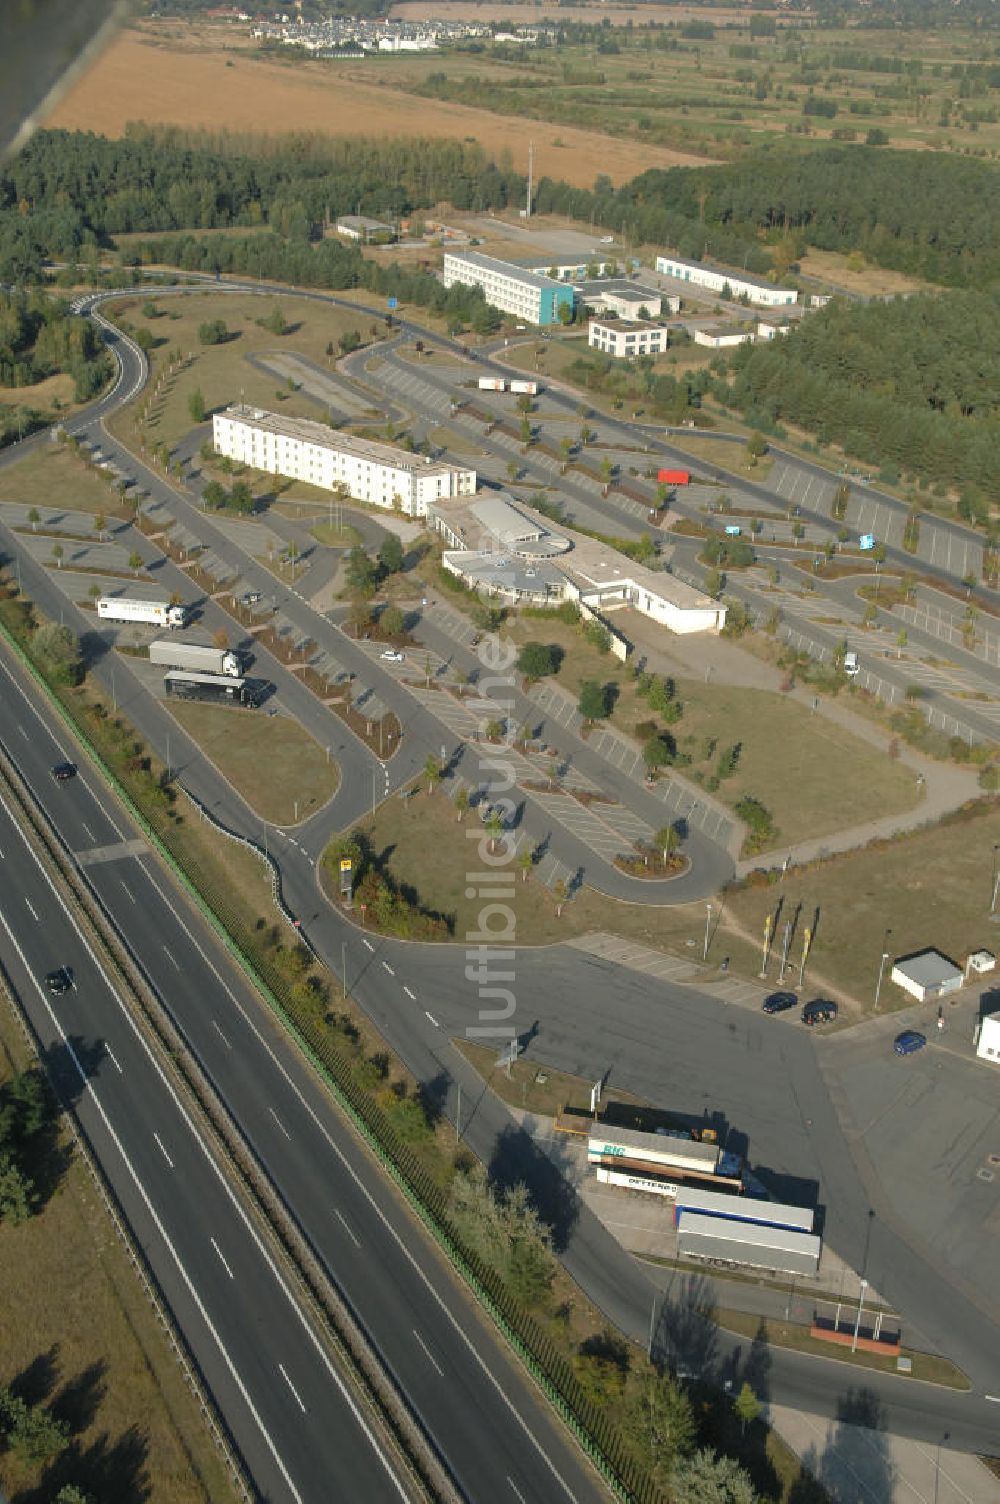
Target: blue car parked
[909,1042]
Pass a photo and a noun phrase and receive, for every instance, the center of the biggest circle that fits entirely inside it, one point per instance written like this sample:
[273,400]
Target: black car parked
[779,1002]
[820,1011]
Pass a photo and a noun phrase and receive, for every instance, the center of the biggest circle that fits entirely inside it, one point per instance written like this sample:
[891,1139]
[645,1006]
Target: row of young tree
[912,385]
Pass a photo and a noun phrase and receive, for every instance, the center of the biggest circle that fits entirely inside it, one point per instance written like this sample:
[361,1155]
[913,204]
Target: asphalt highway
[501,1440]
[289,1410]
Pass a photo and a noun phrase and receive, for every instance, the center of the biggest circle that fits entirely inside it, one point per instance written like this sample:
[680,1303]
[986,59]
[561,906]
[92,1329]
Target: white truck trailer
[524,388]
[492,384]
[192,655]
[148,613]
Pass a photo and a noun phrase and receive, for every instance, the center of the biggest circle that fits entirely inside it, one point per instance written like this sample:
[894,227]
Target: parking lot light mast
[881,966]
[708,921]
[995,890]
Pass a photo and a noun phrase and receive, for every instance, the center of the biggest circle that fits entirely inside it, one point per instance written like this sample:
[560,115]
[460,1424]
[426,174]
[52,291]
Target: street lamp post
[995,891]
[708,921]
[881,967]
[857,1323]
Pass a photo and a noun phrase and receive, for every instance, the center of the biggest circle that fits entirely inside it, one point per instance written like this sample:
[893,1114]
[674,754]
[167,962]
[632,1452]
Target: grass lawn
[927,1367]
[732,457]
[145,1425]
[456,443]
[795,763]
[54,392]
[536,1088]
[222,372]
[405,830]
[929,888]
[337,537]
[270,760]
[55,477]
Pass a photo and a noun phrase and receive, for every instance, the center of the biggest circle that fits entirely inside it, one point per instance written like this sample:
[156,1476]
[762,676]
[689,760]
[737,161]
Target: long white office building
[528,295]
[379,474]
[715,278]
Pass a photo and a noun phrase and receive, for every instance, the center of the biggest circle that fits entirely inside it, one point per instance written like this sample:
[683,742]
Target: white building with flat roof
[528,295]
[718,278]
[629,300]
[625,339]
[988,1042]
[721,338]
[379,474]
[513,552]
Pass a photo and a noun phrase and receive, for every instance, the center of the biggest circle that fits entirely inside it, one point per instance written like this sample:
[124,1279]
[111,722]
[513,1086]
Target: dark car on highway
[909,1042]
[63,771]
[59,981]
[779,1002]
[819,1011]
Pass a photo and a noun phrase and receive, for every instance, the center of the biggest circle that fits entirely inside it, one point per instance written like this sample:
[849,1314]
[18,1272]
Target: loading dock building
[528,295]
[926,975]
[718,278]
[379,474]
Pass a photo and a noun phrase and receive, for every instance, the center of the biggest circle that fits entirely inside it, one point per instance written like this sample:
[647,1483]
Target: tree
[241,500]
[359,616]
[390,554]
[214,332]
[513,470]
[667,839]
[135,561]
[560,893]
[433,772]
[35,517]
[214,495]
[462,803]
[57,554]
[713,583]
[526,862]
[196,406]
[524,403]
[58,650]
[494,827]
[275,321]
[100,525]
[17,1194]
[704,1478]
[526,430]
[901,643]
[360,572]
[38,1436]
[661,1426]
[350,340]
[593,701]
[657,753]
[747,1406]
[756,447]
[391,621]
[536,660]
[597,634]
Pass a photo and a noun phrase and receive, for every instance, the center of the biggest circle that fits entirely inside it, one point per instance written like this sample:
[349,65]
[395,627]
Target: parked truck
[149,613]
[192,655]
[674,477]
[492,384]
[524,388]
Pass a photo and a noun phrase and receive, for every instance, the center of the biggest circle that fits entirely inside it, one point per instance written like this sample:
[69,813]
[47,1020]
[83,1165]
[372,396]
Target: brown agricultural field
[162,78]
[550,10]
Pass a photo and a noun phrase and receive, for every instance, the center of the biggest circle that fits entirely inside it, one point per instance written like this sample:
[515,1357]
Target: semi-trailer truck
[149,613]
[216,689]
[193,655]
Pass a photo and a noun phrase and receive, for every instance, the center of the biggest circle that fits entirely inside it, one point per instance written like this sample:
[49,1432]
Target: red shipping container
[674,477]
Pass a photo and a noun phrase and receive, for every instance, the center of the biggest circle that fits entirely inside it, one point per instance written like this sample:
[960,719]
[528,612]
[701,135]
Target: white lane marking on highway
[45,730]
[281,1370]
[128,890]
[221,1259]
[340,1218]
[31,909]
[170,959]
[279,1123]
[517,1491]
[409,994]
[222,1036]
[89,831]
[98,1104]
[994,1399]
[159,1145]
[22,731]
[428,1354]
[432,1019]
[364,1191]
[114,1058]
[368,943]
[388,968]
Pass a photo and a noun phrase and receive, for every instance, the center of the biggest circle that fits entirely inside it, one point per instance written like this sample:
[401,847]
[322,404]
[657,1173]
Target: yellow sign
[806,942]
[346,864]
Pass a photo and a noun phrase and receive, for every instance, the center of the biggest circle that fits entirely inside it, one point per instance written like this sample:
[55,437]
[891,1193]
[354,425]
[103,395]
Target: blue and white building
[528,295]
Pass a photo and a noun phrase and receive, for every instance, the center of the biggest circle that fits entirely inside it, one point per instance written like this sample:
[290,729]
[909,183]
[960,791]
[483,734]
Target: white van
[851,665]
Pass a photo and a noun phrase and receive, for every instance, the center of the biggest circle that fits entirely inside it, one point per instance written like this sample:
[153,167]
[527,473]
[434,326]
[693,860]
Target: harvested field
[146,75]
[587,15]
